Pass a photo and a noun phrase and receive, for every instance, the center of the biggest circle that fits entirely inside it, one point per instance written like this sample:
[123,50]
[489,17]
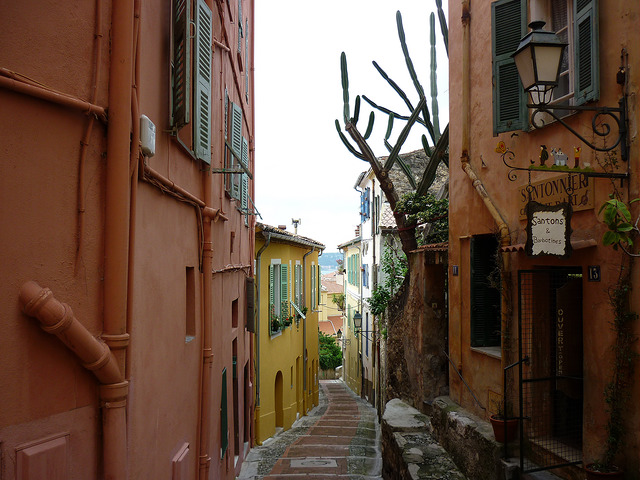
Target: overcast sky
[303,170]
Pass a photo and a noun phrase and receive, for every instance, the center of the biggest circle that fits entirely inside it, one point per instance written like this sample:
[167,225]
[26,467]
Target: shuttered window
[236,148]
[485,297]
[581,61]
[202,107]
[197,67]
[244,181]
[181,63]
[508,26]
[278,294]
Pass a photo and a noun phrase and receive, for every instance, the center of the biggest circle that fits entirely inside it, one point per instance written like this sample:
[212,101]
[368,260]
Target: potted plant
[504,426]
[617,217]
[287,321]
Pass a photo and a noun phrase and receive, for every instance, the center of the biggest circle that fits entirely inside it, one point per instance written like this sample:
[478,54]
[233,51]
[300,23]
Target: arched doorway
[279,401]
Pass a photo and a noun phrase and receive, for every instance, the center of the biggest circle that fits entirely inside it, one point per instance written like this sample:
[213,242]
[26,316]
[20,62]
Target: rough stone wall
[417,330]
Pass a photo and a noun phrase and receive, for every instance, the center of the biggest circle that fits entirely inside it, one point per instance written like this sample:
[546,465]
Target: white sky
[302,168]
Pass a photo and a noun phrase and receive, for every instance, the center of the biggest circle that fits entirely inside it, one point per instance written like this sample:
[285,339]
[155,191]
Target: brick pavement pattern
[338,439]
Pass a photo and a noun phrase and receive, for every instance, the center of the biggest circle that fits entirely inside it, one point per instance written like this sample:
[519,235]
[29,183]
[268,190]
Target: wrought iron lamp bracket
[618,114]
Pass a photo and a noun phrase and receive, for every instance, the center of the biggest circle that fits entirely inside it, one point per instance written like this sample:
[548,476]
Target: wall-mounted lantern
[538,62]
[537,59]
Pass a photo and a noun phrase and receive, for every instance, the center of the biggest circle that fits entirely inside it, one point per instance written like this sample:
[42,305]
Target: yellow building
[286,330]
[352,351]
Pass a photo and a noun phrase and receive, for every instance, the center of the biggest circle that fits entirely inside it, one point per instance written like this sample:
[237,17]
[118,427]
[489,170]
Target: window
[297,279]
[576,22]
[365,276]
[485,296]
[314,287]
[192,73]
[278,296]
[365,202]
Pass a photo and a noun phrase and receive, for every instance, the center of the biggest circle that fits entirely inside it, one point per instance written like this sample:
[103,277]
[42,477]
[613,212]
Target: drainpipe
[57,318]
[207,334]
[304,330]
[503,229]
[257,328]
[117,189]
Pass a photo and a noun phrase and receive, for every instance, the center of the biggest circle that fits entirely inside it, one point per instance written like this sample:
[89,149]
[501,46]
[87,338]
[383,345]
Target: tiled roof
[331,326]
[283,235]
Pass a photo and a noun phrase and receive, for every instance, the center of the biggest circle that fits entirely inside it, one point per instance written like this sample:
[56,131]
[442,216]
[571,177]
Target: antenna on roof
[295,225]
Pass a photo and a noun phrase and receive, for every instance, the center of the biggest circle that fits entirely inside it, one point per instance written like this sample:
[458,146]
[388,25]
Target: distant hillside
[328,261]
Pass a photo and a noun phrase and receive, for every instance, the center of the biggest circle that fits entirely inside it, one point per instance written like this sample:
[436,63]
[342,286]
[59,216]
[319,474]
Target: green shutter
[181,63]
[224,421]
[202,107]
[508,25]
[240,28]
[586,69]
[284,291]
[485,299]
[319,284]
[271,294]
[246,60]
[245,179]
[236,146]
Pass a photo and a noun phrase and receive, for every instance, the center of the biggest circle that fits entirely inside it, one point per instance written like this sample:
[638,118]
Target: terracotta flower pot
[596,475]
[498,425]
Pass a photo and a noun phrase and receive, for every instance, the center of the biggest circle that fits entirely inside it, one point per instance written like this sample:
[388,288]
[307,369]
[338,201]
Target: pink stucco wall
[45,390]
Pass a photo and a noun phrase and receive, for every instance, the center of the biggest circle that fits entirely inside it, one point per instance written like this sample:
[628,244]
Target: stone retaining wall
[451,443]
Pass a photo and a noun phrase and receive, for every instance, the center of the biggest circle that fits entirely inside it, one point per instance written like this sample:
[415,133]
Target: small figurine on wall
[559,157]
[544,155]
[576,156]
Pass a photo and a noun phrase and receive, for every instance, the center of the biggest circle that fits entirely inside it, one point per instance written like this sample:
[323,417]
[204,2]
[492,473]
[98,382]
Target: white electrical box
[147,136]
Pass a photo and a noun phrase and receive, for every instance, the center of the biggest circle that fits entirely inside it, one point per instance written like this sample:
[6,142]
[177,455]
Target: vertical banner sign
[548,229]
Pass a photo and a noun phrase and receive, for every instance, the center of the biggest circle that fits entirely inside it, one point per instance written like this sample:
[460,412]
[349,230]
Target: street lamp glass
[537,59]
[357,320]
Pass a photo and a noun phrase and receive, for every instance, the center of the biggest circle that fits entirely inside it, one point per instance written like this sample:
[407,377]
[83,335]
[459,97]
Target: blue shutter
[508,24]
[202,120]
[181,63]
[586,69]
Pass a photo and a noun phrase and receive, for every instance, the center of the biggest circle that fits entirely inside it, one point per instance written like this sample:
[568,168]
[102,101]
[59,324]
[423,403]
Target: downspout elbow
[57,318]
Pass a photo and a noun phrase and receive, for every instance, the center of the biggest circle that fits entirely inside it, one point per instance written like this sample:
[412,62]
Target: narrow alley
[338,438]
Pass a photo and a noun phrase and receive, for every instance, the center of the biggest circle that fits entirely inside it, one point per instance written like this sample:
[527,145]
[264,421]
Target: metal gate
[550,368]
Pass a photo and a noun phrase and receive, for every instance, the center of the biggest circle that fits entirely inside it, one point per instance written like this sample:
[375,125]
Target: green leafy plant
[329,352]
[616,214]
[617,217]
[338,299]
[420,209]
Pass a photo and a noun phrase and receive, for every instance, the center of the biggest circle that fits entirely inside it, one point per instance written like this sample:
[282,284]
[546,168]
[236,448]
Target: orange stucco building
[127,131]
[549,315]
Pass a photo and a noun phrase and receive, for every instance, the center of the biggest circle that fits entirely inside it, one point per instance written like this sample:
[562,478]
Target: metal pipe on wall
[57,318]
[116,228]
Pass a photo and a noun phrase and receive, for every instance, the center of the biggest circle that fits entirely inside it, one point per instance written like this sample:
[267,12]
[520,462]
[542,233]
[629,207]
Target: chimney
[282,227]
[357,230]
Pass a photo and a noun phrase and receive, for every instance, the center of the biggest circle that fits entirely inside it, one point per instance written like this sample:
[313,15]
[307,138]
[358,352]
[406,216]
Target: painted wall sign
[554,191]
[548,229]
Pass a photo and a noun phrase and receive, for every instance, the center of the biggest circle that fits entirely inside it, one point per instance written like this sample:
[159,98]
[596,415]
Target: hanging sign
[576,187]
[548,229]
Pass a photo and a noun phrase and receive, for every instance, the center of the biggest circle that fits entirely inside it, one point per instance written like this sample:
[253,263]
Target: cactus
[419,114]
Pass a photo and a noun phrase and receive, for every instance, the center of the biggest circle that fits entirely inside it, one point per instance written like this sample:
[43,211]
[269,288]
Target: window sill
[494,352]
